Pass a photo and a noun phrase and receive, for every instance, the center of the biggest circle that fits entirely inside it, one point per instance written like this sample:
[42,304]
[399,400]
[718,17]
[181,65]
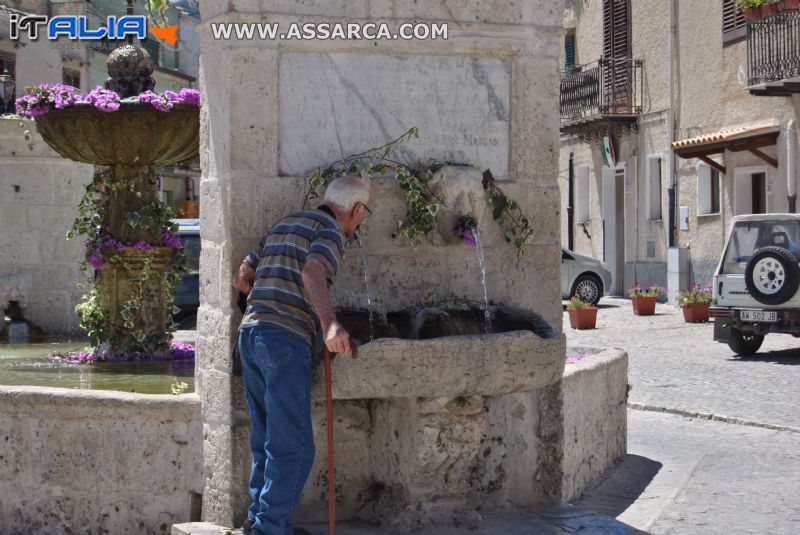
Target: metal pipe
[791,165]
[671,127]
[570,204]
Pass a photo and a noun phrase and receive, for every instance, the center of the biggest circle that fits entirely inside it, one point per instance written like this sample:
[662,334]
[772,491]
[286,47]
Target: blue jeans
[276,366]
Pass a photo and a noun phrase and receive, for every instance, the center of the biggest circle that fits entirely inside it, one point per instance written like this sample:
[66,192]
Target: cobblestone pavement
[677,366]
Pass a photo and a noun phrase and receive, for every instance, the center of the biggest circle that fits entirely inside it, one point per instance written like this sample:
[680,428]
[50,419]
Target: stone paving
[678,366]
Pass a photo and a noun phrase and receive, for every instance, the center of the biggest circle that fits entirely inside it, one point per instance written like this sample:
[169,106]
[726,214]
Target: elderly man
[287,279]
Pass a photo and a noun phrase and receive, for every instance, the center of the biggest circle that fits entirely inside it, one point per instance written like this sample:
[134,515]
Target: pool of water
[28,365]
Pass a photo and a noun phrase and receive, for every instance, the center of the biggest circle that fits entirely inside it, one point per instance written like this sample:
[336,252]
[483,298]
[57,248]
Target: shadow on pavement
[788,357]
[621,485]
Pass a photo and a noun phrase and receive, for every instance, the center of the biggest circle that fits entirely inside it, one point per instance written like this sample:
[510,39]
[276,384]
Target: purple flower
[143,247]
[467,235]
[96,260]
[159,102]
[190,96]
[78,357]
[170,240]
[103,99]
[572,359]
[181,350]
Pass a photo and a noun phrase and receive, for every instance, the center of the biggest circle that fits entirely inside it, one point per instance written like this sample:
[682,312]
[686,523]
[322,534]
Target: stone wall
[98,462]
[487,96]
[40,193]
[595,418]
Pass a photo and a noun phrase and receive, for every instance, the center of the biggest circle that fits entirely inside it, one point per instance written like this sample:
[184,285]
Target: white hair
[347,191]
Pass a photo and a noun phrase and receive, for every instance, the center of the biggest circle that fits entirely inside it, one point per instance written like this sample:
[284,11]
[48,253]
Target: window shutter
[653,188]
[582,190]
[732,18]
[617,53]
[616,29]
[71,77]
[703,189]
[569,51]
[7,61]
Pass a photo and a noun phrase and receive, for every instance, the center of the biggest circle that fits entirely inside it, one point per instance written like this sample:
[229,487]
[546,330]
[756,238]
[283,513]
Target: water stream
[482,260]
[361,246]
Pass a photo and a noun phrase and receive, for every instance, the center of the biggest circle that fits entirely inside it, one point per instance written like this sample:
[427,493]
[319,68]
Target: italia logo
[78,27]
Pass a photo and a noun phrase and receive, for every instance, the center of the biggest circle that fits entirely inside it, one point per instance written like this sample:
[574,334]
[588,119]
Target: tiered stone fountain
[130,142]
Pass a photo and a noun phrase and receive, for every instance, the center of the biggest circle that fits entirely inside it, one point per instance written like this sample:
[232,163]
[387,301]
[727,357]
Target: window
[582,193]
[653,188]
[734,27]
[8,62]
[708,188]
[71,77]
[617,53]
[569,51]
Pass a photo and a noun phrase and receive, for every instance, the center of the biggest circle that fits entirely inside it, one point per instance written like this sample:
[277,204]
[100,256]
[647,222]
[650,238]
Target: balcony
[601,98]
[773,55]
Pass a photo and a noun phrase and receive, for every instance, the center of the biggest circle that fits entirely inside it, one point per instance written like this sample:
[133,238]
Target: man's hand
[244,278]
[337,339]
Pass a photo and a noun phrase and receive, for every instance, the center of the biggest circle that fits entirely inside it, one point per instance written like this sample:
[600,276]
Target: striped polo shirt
[278,298]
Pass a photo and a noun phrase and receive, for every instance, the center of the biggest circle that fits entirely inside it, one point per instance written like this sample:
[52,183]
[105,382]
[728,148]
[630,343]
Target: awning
[749,138]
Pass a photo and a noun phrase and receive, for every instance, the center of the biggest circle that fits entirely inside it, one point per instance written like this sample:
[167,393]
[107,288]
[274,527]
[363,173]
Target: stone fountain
[129,143]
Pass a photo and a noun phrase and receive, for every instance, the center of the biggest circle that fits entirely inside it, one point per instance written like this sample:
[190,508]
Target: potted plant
[644,299]
[581,315]
[751,9]
[694,302]
[769,8]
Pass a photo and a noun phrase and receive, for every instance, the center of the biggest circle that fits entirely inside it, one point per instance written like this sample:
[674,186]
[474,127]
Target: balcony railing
[606,88]
[773,49]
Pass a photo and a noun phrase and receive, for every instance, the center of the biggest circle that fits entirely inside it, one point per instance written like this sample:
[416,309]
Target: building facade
[691,137]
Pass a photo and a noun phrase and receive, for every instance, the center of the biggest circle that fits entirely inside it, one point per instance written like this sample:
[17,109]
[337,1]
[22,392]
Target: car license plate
[758,315]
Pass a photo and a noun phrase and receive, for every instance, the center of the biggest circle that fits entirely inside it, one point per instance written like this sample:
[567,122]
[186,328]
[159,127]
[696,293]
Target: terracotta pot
[768,10]
[752,13]
[695,312]
[644,306]
[584,318]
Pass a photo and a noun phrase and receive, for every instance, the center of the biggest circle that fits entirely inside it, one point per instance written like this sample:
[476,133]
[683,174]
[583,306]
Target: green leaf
[510,236]
[499,206]
[487,178]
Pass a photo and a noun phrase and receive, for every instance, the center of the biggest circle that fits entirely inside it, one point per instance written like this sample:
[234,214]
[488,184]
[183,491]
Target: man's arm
[244,278]
[315,283]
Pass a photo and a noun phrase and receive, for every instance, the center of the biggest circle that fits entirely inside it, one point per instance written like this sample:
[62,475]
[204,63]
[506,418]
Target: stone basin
[528,355]
[136,134]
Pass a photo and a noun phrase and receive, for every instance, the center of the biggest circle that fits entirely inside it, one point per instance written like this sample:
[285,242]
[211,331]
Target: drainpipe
[570,204]
[671,128]
[791,165]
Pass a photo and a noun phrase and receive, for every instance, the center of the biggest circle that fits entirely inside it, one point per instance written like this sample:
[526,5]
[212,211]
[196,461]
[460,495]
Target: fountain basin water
[23,365]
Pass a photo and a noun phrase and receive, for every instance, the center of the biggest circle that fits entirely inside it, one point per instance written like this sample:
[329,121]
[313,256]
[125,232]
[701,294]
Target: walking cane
[329,400]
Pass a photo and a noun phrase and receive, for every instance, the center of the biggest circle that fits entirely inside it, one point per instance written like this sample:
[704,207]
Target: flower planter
[695,312]
[644,306]
[582,318]
[767,10]
[752,13]
[789,5]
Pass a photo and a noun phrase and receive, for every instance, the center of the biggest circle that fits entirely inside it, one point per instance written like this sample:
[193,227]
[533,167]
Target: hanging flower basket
[752,13]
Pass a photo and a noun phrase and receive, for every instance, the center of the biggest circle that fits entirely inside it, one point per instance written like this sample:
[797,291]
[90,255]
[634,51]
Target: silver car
[583,276]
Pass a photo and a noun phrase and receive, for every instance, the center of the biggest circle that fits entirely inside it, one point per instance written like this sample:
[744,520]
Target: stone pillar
[274,110]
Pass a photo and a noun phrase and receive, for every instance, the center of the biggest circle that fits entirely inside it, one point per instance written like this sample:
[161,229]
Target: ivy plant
[422,203]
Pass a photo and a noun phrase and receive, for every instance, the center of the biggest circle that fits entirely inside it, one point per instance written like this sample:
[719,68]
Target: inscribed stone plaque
[335,105]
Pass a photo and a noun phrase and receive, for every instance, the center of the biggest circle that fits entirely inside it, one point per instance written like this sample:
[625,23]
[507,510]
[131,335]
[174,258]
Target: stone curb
[711,416]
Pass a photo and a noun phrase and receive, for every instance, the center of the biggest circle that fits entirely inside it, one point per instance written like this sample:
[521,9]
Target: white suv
[756,282]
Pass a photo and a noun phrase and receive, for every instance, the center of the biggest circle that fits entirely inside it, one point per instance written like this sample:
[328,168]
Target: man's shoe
[247,527]
[301,531]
